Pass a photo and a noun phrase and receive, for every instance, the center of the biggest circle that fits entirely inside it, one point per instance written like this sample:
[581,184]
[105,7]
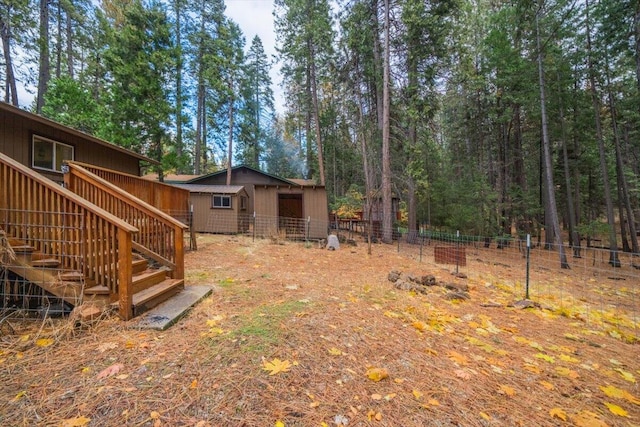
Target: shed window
[50,155]
[243,203]
[220,201]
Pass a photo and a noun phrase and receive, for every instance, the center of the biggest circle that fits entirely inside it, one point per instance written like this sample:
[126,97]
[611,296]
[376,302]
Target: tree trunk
[387,220]
[574,239]
[230,139]
[43,66]
[613,242]
[316,114]
[69,32]
[11,90]
[179,64]
[551,196]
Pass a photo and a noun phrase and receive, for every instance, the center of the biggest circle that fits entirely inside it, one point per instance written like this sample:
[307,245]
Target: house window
[50,155]
[243,203]
[220,201]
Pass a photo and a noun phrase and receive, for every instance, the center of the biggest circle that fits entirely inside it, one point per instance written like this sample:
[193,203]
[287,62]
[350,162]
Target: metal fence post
[527,277]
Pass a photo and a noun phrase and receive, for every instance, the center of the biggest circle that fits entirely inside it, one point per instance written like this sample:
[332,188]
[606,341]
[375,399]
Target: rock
[332,242]
[525,303]
[351,242]
[393,276]
[402,285]
[458,287]
[457,296]
[459,275]
[428,280]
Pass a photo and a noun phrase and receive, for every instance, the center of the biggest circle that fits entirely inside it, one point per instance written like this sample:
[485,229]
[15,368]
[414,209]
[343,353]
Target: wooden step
[22,249]
[45,263]
[151,297]
[97,290]
[72,276]
[147,279]
[139,265]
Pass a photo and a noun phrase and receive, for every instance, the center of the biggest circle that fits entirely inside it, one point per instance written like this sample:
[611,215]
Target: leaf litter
[253,354]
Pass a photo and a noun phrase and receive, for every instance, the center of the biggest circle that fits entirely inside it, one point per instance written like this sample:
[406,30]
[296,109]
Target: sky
[255,17]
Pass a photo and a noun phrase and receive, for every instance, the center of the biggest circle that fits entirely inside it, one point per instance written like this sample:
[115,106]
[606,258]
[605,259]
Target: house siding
[16,133]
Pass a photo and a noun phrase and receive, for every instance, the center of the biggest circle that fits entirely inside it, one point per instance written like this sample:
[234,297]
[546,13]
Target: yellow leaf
[44,342]
[628,376]
[390,396]
[376,397]
[433,402]
[615,409]
[392,314]
[335,352]
[532,368]
[485,416]
[278,424]
[194,384]
[377,374]
[558,413]
[505,389]
[547,385]
[588,419]
[86,370]
[75,422]
[536,346]
[566,372]
[314,404]
[419,325]
[458,358]
[323,424]
[154,415]
[276,366]
[378,416]
[20,395]
[25,338]
[417,394]
[545,357]
[567,358]
[612,391]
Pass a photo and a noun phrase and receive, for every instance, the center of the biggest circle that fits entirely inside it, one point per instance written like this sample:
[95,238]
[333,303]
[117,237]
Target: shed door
[290,213]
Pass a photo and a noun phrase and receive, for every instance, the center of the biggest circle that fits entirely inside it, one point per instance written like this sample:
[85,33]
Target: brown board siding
[213,220]
[16,135]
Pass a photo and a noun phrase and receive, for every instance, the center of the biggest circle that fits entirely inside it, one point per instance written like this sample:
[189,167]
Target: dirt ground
[294,335]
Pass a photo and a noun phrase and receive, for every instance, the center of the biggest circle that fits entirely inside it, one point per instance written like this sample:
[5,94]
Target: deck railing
[105,253]
[160,236]
[162,196]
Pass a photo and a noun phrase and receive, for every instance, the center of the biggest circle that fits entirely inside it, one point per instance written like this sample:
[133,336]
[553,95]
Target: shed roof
[170,178]
[48,122]
[212,189]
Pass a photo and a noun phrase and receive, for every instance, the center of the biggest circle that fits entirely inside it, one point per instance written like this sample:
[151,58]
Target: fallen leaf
[567,358]
[547,385]
[566,372]
[107,346]
[505,389]
[44,342]
[376,397]
[377,374]
[20,395]
[276,366]
[458,358]
[558,413]
[154,415]
[485,416]
[389,396]
[314,404]
[615,409]
[194,384]
[335,352]
[278,424]
[545,357]
[417,394]
[532,368]
[75,422]
[110,371]
[628,376]
[588,419]
[613,391]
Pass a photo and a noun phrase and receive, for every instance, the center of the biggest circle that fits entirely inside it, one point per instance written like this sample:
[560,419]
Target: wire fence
[38,266]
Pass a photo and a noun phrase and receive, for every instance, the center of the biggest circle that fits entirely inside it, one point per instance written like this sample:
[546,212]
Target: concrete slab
[170,311]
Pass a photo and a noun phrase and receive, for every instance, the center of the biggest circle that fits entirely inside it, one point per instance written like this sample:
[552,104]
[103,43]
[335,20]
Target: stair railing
[160,236]
[104,255]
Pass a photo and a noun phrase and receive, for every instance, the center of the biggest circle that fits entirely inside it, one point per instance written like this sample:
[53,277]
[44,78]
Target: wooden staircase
[151,286]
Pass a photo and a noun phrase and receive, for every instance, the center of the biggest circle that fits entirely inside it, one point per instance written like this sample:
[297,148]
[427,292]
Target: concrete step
[151,297]
[170,311]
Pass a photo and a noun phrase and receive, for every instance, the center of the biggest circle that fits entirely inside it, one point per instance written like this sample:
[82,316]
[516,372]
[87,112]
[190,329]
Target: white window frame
[221,197]
[54,144]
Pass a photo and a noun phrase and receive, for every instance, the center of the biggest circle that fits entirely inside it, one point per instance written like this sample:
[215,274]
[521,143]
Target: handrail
[103,254]
[160,236]
[167,198]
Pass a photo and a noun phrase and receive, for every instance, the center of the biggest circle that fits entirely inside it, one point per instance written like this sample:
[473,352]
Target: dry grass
[332,315]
